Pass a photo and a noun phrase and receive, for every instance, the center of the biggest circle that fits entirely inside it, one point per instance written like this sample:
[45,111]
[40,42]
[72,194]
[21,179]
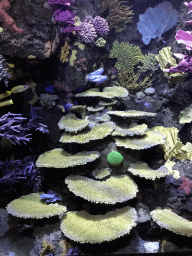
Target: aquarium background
[95,127]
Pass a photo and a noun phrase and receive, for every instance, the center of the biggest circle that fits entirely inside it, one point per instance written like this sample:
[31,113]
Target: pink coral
[184,37]
[8,22]
[186,185]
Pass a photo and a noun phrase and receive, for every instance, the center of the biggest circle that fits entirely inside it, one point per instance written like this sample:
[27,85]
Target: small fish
[19,88]
[31,57]
[11,65]
[67,107]
[96,76]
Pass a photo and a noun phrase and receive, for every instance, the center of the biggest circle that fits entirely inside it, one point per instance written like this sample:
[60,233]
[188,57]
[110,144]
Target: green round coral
[114,158]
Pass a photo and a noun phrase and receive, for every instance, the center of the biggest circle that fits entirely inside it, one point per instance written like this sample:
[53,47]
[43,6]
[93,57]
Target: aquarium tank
[95,127]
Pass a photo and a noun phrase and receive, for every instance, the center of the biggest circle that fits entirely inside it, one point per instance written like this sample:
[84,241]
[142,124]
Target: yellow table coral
[31,206]
[173,222]
[114,190]
[83,227]
[97,133]
[59,158]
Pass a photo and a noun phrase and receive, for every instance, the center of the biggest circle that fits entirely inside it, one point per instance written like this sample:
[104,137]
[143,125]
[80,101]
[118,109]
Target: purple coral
[10,128]
[74,251]
[62,13]
[13,129]
[90,27]
[189,5]
[184,37]
[64,16]
[34,123]
[184,66]
[101,25]
[50,197]
[17,170]
[87,32]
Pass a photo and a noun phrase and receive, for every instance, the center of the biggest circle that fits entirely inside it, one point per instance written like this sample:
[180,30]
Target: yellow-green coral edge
[173,222]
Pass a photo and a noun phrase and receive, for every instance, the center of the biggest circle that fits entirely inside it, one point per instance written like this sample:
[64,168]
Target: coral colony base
[95,127]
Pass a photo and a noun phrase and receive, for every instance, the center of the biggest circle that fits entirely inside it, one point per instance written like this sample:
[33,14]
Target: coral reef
[96,158]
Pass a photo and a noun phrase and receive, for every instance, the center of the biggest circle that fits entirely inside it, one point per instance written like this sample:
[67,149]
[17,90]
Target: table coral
[116,189]
[98,228]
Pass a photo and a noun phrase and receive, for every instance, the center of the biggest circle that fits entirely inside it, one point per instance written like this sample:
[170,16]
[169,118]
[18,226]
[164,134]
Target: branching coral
[149,63]
[21,170]
[119,14]
[132,81]
[12,130]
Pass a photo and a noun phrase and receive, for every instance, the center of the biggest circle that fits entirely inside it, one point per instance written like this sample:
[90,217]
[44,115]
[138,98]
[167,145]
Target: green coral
[101,42]
[114,158]
[128,55]
[149,63]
